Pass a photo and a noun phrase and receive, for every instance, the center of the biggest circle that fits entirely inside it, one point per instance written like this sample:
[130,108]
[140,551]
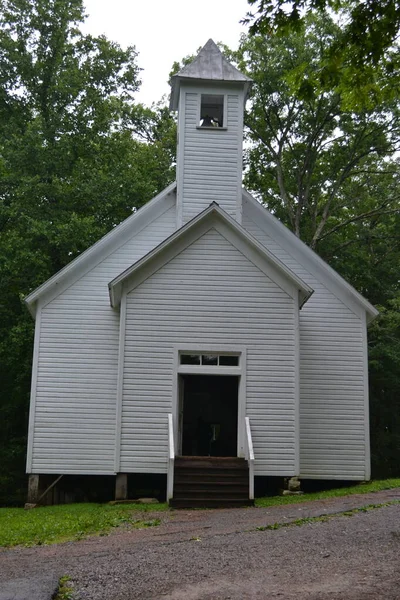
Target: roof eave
[372,313]
[32,299]
[370,310]
[176,81]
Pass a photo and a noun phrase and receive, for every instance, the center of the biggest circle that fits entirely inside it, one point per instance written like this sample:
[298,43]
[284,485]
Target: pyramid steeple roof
[211,65]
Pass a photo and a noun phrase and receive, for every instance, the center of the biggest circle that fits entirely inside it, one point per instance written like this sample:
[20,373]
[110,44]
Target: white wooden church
[200,338]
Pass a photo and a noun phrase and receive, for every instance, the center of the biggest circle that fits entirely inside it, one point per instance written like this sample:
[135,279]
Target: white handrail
[250,457]
[171,458]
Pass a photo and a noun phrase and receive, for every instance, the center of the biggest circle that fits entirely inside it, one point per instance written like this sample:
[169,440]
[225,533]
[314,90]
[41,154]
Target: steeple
[209,64]
[209,94]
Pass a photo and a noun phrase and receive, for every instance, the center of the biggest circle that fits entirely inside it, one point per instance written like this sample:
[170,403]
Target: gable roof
[309,259]
[101,249]
[212,217]
[211,65]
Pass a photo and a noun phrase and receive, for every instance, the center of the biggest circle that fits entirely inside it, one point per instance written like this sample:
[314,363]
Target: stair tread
[189,482]
[210,481]
[213,468]
[210,462]
[215,498]
[207,503]
[211,490]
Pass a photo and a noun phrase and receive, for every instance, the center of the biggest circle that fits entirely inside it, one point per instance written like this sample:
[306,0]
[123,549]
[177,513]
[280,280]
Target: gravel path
[220,555]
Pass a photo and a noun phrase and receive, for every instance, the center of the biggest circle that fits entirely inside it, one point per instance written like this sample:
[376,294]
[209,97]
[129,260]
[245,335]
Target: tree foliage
[369,29]
[77,155]
[309,158]
[329,171]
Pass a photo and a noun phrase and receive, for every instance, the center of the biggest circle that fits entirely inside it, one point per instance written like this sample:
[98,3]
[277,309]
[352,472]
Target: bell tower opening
[212,110]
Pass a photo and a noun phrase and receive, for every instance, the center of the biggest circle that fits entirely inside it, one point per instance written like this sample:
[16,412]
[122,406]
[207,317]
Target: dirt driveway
[227,554]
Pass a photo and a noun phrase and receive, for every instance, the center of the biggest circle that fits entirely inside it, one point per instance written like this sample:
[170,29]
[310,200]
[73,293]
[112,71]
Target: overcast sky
[164,31]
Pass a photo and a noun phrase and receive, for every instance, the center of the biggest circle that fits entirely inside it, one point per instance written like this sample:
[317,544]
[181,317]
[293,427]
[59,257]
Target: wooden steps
[210,482]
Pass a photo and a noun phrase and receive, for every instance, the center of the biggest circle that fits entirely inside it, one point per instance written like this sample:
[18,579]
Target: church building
[200,339]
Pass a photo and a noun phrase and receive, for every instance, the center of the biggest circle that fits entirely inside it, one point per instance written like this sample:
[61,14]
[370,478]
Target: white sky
[164,31]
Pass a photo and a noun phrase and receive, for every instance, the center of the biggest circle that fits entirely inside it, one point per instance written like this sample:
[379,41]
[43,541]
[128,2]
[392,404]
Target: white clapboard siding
[332,412]
[211,160]
[74,421]
[210,294]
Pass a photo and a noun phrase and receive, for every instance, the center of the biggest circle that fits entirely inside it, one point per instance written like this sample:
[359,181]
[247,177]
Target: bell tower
[209,95]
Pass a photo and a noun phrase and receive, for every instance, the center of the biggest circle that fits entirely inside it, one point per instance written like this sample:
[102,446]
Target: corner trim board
[120,384]
[32,408]
[297,385]
[366,401]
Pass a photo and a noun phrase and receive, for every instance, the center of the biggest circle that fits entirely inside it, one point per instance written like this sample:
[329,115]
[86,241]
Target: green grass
[65,590]
[362,488]
[51,524]
[325,518]
[68,522]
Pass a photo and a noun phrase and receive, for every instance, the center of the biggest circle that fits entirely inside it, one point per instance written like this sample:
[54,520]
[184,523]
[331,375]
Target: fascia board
[311,261]
[101,249]
[216,86]
[212,217]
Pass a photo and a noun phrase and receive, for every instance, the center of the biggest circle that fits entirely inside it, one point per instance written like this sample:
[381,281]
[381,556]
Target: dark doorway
[210,415]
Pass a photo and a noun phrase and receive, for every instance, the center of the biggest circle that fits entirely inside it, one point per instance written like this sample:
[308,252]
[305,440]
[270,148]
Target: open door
[208,415]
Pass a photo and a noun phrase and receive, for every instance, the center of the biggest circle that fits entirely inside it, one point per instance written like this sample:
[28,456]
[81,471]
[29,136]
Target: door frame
[238,371]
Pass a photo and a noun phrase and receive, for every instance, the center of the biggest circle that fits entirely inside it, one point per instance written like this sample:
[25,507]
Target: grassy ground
[51,524]
[362,488]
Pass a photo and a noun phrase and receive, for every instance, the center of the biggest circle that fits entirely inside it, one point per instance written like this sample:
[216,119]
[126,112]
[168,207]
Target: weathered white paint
[74,418]
[210,158]
[209,295]
[333,428]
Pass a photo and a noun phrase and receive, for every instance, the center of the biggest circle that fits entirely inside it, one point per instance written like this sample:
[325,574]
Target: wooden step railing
[249,454]
[210,480]
[171,459]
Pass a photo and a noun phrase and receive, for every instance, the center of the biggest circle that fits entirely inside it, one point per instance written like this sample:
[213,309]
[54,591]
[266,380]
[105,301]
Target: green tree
[369,30]
[307,152]
[330,173]
[77,155]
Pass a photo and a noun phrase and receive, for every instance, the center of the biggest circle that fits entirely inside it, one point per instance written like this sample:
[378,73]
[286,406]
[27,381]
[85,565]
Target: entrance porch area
[207,472]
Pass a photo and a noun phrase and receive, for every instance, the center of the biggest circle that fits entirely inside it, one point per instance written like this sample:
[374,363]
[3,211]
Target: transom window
[212,110]
[217,360]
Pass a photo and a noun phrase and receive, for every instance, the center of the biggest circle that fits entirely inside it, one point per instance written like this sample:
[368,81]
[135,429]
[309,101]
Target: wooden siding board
[210,159]
[197,311]
[332,377]
[76,385]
